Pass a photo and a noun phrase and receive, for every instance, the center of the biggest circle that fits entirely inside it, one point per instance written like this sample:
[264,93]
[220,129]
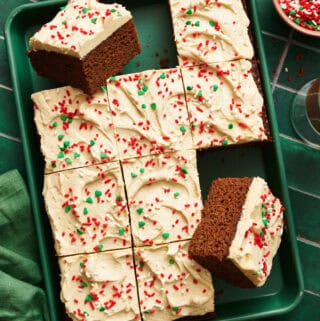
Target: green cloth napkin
[21,298]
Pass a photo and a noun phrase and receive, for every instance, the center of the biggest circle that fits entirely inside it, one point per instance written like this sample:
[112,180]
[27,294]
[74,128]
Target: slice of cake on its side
[84,44]
[209,31]
[149,112]
[87,209]
[100,286]
[240,231]
[76,130]
[225,106]
[171,285]
[164,197]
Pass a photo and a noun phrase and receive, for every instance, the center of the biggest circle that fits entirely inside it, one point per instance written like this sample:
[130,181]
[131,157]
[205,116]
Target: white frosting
[172,285]
[209,31]
[164,197]
[149,112]
[224,103]
[258,234]
[87,209]
[100,286]
[80,27]
[75,129]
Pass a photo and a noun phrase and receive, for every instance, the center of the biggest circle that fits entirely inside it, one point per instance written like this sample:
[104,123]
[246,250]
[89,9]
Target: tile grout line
[294,91]
[306,241]
[311,292]
[281,61]
[304,192]
[270,34]
[300,44]
[296,140]
[15,139]
[6,87]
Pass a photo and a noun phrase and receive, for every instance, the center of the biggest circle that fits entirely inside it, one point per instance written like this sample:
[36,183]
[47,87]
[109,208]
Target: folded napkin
[21,296]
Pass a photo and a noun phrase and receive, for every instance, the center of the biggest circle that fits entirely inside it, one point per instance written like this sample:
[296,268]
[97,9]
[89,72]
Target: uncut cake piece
[163,196]
[208,31]
[171,284]
[76,130]
[100,286]
[240,231]
[225,105]
[149,112]
[87,209]
[84,44]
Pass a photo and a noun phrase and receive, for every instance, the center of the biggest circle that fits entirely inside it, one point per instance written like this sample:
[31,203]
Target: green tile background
[301,161]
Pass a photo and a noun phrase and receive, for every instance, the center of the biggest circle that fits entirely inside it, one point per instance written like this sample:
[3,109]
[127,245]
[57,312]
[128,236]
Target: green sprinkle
[85,10]
[197,23]
[55,124]
[76,155]
[89,200]
[81,264]
[176,194]
[291,12]
[163,76]
[175,308]
[189,11]
[80,231]
[261,234]
[60,136]
[215,88]
[230,126]
[94,20]
[113,78]
[184,170]
[140,92]
[140,210]
[88,298]
[63,117]
[97,193]
[153,106]
[63,22]
[133,174]
[146,311]
[104,88]
[225,142]
[297,21]
[165,235]
[145,88]
[100,247]
[61,155]
[68,160]
[62,8]
[212,23]
[101,309]
[86,313]
[188,22]
[183,129]
[66,143]
[92,142]
[189,88]
[122,231]
[199,93]
[119,198]
[143,106]
[141,224]
[85,211]
[172,261]
[141,264]
[70,120]
[141,170]
[84,284]
[53,165]
[265,222]
[103,155]
[113,10]
[67,208]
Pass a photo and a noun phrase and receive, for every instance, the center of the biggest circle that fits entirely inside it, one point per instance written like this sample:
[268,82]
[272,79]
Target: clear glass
[305,113]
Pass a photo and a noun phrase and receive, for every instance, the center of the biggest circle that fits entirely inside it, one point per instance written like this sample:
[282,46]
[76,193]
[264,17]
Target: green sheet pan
[284,287]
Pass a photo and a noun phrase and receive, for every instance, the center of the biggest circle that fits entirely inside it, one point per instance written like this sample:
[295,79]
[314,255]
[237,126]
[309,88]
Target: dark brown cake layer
[213,237]
[90,73]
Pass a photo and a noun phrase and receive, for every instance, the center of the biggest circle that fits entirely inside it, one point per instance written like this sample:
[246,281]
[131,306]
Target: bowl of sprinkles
[302,15]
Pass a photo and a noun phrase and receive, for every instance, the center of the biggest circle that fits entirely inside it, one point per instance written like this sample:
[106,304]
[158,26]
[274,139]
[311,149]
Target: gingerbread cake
[163,196]
[100,286]
[240,231]
[87,209]
[84,44]
[225,105]
[149,112]
[209,31]
[75,130]
[171,284]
